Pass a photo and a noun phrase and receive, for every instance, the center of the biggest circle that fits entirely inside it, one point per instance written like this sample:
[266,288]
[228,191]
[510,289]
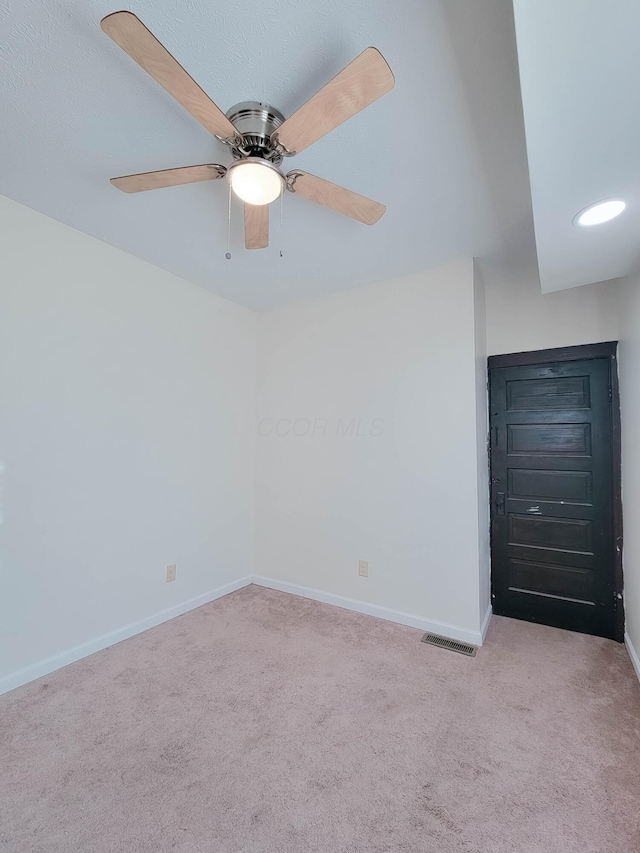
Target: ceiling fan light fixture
[255,181]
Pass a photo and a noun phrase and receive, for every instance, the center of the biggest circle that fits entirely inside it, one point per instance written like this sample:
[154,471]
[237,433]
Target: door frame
[607,350]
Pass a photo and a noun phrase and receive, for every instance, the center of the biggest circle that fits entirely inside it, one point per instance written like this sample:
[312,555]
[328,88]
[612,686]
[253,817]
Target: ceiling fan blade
[134,38]
[256,226]
[336,197]
[169,178]
[361,83]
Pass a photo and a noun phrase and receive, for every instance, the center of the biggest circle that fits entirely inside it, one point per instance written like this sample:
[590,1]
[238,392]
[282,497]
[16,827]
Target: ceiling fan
[258,135]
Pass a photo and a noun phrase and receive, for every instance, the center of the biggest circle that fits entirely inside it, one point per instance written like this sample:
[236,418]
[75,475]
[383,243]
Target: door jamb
[607,350]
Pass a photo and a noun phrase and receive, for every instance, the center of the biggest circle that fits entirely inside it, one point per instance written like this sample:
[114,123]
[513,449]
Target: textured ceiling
[580,67]
[77,111]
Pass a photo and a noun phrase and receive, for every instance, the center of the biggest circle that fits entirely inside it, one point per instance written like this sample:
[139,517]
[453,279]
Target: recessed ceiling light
[601,211]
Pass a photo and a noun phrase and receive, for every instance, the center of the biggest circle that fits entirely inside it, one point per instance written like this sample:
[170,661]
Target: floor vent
[452,645]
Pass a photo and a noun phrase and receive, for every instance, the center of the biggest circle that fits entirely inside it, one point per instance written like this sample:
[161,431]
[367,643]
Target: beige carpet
[264,723]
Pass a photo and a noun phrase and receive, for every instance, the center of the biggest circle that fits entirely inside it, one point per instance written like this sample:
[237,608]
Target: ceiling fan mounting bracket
[275,139]
[255,124]
[290,179]
[232,141]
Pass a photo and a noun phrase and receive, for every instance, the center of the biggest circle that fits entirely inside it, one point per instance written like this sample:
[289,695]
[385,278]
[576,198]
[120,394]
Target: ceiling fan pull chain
[228,253]
[281,221]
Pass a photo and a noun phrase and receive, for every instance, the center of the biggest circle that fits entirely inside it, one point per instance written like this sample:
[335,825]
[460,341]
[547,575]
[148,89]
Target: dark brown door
[553,489]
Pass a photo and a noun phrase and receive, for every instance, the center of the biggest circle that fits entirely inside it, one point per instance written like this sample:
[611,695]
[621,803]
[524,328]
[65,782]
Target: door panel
[565,439]
[546,394]
[552,538]
[558,533]
[551,486]
[549,579]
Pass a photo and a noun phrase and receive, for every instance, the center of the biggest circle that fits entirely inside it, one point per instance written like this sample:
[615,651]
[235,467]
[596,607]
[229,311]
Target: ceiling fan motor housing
[256,122]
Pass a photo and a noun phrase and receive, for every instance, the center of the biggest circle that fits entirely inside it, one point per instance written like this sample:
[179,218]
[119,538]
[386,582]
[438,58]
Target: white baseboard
[635,660]
[485,622]
[455,632]
[44,667]
[62,659]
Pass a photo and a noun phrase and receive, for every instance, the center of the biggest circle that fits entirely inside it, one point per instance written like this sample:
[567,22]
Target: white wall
[127,442]
[629,370]
[397,361]
[520,317]
[127,400]
[482,429]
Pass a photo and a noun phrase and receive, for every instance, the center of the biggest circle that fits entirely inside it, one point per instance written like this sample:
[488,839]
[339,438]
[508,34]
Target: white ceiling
[580,76]
[444,150]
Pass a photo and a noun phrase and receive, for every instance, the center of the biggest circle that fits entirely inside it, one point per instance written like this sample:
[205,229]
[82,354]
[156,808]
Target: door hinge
[610,393]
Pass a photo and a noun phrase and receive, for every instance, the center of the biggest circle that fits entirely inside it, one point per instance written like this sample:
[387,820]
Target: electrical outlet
[171,573]
[363,568]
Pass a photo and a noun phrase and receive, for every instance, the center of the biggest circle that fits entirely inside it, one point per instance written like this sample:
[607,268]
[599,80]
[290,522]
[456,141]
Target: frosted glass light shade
[256,182]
